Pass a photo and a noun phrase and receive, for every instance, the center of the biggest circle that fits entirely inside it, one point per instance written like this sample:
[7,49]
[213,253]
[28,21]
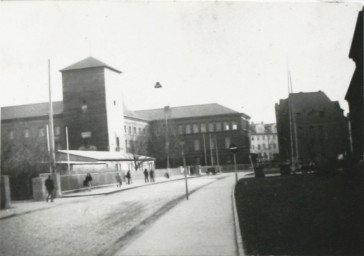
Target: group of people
[148,176]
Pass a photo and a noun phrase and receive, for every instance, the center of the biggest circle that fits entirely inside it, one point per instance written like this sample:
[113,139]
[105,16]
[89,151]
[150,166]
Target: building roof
[41,109]
[105,155]
[89,62]
[30,110]
[191,111]
[304,100]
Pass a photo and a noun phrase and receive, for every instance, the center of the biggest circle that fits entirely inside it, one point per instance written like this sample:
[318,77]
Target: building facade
[264,141]
[96,118]
[355,93]
[317,129]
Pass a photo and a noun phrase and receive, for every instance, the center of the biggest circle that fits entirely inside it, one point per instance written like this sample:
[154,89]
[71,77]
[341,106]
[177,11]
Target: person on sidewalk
[118,180]
[128,176]
[88,180]
[50,187]
[151,175]
[146,175]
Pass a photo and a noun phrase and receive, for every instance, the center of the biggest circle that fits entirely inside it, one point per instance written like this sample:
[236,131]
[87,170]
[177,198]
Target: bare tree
[23,156]
[138,150]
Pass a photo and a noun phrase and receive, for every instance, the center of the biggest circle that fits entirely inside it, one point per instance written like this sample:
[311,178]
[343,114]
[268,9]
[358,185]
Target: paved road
[94,225]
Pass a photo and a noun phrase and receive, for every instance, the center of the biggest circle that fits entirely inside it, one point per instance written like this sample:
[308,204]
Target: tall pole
[211,154]
[217,151]
[236,173]
[49,150]
[204,147]
[185,171]
[51,129]
[290,122]
[68,153]
[167,139]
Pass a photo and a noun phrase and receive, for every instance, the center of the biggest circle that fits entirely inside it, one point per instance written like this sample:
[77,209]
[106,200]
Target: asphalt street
[95,225]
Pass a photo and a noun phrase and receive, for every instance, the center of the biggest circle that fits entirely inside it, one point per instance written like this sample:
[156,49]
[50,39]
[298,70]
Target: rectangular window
[226,126]
[11,134]
[203,127]
[274,146]
[197,145]
[252,146]
[180,129]
[26,133]
[218,127]
[263,137]
[140,130]
[211,127]
[258,137]
[129,129]
[227,142]
[57,130]
[195,128]
[188,129]
[41,132]
[252,138]
[212,143]
[234,125]
[125,128]
[117,142]
[126,144]
[135,130]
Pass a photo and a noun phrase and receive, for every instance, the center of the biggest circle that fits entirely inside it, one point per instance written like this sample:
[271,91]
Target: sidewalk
[203,225]
[29,206]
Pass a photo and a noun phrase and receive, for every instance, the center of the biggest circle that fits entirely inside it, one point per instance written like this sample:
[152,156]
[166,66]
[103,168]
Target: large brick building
[97,119]
[319,129]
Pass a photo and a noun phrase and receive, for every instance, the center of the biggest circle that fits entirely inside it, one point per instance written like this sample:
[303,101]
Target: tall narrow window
[218,126]
[26,133]
[57,130]
[234,125]
[211,127]
[197,145]
[180,129]
[41,132]
[227,142]
[195,128]
[226,126]
[203,127]
[11,134]
[188,129]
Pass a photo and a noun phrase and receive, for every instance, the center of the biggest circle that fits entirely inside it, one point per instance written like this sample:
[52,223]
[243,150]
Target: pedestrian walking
[128,176]
[118,180]
[50,187]
[151,175]
[146,175]
[87,181]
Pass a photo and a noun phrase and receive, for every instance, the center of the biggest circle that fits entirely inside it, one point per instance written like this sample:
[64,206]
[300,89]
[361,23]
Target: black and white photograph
[181,128]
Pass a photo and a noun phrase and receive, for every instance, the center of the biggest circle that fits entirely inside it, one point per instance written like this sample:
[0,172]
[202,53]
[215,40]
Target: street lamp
[234,149]
[182,143]
[157,86]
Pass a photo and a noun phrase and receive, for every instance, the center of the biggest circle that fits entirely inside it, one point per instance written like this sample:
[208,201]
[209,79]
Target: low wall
[239,167]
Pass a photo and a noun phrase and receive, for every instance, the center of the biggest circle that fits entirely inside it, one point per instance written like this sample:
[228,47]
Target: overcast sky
[235,53]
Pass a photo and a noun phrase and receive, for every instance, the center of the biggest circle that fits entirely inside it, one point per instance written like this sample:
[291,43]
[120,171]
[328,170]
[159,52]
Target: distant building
[319,129]
[264,141]
[97,119]
[355,93]
[207,131]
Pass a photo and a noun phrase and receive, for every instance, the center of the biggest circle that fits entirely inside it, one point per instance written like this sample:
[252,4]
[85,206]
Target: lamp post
[184,165]
[234,149]
[166,108]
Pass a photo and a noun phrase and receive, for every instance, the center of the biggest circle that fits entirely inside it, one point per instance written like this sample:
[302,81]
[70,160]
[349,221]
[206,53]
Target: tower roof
[89,62]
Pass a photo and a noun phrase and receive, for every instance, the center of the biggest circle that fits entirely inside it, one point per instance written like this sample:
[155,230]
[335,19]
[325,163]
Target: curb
[128,188]
[238,238]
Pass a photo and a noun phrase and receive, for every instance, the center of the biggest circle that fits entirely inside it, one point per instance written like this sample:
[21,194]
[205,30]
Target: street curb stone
[238,238]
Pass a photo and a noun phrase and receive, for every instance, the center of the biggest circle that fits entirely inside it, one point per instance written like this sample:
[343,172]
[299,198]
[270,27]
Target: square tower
[93,106]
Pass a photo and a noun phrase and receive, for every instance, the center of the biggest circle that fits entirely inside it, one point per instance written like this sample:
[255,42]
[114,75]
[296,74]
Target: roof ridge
[29,104]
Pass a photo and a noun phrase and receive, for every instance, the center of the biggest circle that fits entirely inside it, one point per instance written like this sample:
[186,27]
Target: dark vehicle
[211,170]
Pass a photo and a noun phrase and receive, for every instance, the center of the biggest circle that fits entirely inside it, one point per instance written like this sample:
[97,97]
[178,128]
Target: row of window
[41,132]
[197,144]
[273,137]
[134,130]
[264,146]
[210,127]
